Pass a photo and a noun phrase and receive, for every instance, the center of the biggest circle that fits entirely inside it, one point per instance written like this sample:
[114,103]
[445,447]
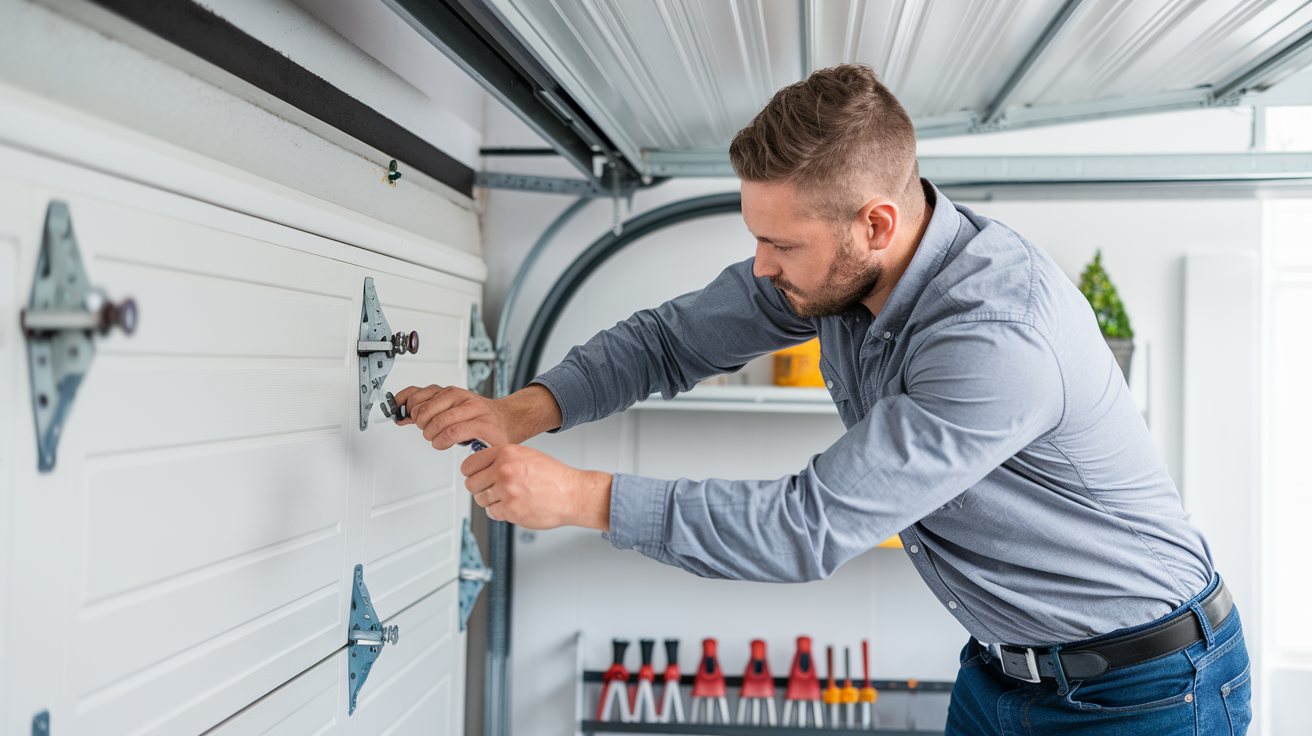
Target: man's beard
[847,283]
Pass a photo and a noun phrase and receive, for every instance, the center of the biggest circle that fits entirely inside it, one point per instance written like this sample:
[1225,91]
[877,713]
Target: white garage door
[192,551]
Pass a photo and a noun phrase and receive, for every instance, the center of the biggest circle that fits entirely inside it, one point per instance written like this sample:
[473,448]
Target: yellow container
[799,365]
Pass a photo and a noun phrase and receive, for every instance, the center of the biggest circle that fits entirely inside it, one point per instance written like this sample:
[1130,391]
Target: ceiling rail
[473,36]
[998,107]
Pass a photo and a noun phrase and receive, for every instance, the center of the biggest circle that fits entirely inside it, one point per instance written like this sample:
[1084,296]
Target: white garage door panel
[310,705]
[215,504]
[412,688]
[194,613]
[144,402]
[191,692]
[192,552]
[193,314]
[213,248]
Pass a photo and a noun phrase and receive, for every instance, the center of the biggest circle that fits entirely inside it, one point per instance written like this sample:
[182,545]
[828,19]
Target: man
[987,422]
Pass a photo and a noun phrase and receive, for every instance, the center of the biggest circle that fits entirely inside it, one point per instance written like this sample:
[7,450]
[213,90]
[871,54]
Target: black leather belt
[1085,661]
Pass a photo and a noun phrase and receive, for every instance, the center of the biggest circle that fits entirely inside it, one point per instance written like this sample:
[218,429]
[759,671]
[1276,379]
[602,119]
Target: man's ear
[879,220]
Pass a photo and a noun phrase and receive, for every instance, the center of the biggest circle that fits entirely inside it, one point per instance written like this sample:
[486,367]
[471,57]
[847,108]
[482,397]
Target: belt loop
[1063,686]
[1209,636]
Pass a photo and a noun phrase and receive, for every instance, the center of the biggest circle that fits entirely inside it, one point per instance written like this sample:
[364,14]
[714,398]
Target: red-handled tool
[869,718]
[671,697]
[615,686]
[642,699]
[803,687]
[758,686]
[708,686]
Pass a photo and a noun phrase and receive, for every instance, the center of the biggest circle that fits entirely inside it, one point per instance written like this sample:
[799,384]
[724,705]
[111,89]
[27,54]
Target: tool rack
[589,686]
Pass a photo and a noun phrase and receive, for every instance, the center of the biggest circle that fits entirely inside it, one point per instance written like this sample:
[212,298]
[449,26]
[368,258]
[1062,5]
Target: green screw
[392,173]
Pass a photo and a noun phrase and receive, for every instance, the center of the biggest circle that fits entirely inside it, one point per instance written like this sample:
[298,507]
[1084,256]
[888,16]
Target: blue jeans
[1200,691]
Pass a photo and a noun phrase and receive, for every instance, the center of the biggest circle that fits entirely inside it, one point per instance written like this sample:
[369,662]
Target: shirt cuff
[572,394]
[638,508]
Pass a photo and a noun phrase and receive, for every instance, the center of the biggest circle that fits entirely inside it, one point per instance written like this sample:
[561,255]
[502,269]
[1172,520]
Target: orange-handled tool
[833,696]
[869,719]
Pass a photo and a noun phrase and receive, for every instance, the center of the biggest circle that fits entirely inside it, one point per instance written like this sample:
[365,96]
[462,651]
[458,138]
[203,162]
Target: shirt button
[887,335]
[829,384]
[914,549]
[952,605]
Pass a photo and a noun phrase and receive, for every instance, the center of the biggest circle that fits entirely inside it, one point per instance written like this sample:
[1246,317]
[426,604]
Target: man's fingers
[496,511]
[477,463]
[485,498]
[424,411]
[457,414]
[411,397]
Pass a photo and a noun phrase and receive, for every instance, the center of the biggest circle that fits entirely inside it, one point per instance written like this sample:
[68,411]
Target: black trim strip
[198,31]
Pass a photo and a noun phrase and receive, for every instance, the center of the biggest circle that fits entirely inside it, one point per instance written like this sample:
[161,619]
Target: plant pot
[1122,349]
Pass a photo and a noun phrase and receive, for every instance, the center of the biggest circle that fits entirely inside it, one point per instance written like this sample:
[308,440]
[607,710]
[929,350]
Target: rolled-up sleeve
[975,394]
[671,348]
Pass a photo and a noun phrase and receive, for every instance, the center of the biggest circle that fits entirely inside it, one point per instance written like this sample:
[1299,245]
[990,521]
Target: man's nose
[762,266]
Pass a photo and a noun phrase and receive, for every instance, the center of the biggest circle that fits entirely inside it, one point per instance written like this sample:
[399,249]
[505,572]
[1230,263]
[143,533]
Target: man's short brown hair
[834,136]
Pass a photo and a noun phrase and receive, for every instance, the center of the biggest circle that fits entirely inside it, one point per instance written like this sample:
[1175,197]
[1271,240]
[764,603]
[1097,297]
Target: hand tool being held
[803,687]
[833,696]
[869,718]
[708,686]
[642,699]
[615,686]
[758,686]
[671,697]
[851,696]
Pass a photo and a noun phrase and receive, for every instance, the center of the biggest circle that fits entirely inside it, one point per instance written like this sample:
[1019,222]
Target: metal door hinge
[377,349]
[473,573]
[481,352]
[365,636]
[63,316]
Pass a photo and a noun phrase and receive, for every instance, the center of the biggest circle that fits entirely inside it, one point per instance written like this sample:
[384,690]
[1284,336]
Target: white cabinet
[188,562]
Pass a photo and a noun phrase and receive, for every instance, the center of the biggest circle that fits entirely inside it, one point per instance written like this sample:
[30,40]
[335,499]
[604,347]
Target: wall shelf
[776,399]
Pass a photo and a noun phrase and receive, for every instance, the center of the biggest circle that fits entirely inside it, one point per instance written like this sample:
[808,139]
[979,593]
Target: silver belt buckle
[1017,662]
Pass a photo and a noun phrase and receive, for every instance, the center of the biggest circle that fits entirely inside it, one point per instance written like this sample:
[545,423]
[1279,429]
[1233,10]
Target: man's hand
[529,488]
[448,415]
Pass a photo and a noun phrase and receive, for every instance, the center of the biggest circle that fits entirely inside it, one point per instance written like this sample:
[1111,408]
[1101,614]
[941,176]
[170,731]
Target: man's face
[820,266]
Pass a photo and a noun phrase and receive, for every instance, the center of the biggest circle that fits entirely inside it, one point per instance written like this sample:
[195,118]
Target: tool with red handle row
[615,687]
[758,687]
[708,689]
[671,698]
[803,687]
[642,699]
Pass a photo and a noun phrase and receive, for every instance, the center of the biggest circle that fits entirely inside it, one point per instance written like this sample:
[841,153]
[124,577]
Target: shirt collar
[925,264]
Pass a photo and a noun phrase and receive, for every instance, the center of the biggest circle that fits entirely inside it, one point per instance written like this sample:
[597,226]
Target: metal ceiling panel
[678,75]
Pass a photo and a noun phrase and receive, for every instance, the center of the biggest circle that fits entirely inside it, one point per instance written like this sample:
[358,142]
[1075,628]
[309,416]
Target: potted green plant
[1097,287]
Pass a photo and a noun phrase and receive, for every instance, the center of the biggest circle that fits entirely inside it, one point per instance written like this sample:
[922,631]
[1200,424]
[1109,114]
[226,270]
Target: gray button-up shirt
[987,423]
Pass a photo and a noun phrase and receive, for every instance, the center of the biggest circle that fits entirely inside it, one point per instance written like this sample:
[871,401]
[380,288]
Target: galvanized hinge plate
[63,316]
[482,354]
[473,573]
[365,636]
[377,349]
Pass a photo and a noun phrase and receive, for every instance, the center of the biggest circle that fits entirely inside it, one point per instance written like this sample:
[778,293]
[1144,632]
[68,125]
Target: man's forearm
[529,412]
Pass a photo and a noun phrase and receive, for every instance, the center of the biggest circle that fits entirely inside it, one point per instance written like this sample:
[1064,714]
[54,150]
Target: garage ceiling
[661,77]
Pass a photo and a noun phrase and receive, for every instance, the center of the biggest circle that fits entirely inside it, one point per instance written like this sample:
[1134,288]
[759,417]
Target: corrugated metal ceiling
[674,75]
